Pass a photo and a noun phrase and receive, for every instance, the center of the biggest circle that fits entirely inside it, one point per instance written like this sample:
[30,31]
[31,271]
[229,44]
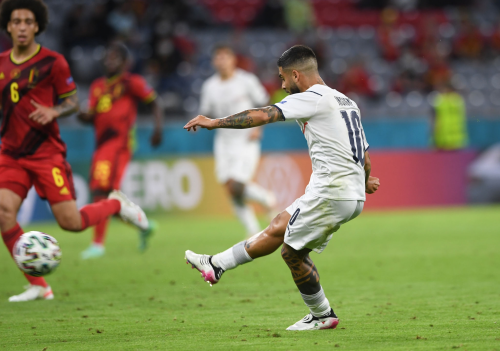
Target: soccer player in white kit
[335,195]
[237,153]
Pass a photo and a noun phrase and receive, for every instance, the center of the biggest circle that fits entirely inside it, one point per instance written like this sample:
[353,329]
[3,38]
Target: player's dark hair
[296,56]
[38,8]
[121,50]
[221,47]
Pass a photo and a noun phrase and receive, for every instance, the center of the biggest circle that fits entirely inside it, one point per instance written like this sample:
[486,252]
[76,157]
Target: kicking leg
[261,244]
[306,277]
[71,219]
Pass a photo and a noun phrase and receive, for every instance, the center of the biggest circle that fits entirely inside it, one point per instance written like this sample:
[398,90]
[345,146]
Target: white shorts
[236,161]
[315,219]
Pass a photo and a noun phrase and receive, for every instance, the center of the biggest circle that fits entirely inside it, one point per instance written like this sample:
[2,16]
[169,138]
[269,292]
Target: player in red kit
[37,88]
[112,111]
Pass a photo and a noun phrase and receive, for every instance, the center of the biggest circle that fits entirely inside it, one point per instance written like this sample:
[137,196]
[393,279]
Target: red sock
[9,238]
[100,232]
[100,228]
[98,212]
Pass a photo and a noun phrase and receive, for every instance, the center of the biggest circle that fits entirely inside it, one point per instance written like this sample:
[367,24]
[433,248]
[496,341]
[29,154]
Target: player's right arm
[294,106]
[246,119]
[65,89]
[259,97]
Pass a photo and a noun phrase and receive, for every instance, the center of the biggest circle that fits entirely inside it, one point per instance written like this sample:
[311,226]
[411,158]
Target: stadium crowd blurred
[391,56]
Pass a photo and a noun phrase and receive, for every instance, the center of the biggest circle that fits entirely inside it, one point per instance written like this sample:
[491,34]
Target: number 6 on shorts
[58,178]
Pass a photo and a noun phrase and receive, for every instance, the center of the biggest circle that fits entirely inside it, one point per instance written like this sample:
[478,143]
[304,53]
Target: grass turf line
[416,280]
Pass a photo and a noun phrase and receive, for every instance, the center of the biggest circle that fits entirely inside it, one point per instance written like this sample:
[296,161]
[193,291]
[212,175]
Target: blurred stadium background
[390,56]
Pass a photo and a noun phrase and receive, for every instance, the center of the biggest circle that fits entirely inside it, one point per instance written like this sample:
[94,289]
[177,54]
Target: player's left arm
[44,114]
[371,183]
[246,119]
[65,88]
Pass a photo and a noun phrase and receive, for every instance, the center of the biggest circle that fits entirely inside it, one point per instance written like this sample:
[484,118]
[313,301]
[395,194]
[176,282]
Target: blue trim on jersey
[310,91]
[284,118]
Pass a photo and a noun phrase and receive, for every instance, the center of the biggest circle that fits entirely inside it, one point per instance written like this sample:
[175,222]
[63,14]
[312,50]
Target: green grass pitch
[412,280]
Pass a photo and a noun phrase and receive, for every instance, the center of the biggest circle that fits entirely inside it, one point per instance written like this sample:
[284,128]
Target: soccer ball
[37,253]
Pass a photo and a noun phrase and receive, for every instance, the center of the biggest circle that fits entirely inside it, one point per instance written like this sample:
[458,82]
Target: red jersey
[114,102]
[45,78]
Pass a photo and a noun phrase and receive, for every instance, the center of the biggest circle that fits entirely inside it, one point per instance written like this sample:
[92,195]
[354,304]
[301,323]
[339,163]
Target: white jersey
[331,123]
[221,98]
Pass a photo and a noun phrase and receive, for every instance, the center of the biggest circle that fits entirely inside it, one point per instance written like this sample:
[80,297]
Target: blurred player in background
[450,119]
[113,111]
[331,124]
[37,88]
[237,153]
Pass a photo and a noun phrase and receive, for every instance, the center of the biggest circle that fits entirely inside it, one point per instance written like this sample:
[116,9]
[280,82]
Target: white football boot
[130,212]
[93,251]
[33,292]
[203,263]
[311,322]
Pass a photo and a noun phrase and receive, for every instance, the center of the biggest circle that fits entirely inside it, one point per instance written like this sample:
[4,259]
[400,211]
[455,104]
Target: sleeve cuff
[150,97]
[69,93]
[284,118]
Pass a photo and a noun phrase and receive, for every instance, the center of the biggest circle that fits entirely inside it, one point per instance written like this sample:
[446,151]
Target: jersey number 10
[355,136]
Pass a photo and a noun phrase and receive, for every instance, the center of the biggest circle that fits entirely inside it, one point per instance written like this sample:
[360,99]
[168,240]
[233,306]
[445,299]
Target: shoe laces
[205,260]
[308,318]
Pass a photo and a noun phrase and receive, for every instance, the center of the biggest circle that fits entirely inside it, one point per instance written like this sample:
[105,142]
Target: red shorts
[108,167]
[51,176]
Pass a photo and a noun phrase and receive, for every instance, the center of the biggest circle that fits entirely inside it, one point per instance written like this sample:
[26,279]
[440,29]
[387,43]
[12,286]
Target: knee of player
[236,189]
[278,224]
[6,214]
[69,224]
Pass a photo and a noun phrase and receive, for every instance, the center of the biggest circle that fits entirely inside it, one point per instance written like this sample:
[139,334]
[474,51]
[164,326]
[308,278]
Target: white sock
[317,303]
[232,257]
[246,215]
[258,194]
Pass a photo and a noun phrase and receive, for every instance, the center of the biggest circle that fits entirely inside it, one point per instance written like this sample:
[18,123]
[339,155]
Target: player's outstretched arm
[44,114]
[371,183]
[246,119]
